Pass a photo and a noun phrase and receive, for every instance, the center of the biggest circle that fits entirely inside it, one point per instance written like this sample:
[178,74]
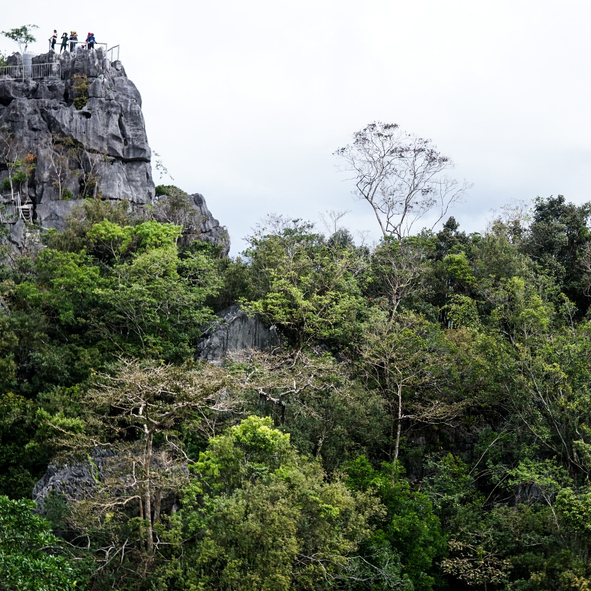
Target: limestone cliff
[72,124]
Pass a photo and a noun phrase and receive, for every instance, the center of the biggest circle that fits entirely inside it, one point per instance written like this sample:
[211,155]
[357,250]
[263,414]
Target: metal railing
[11,71]
[35,71]
[58,49]
[47,70]
[111,53]
[58,45]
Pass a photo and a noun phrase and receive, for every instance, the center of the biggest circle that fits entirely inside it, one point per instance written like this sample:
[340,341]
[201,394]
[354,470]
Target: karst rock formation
[72,124]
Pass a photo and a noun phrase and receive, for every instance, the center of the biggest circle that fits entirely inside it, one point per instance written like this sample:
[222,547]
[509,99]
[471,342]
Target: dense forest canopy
[425,424]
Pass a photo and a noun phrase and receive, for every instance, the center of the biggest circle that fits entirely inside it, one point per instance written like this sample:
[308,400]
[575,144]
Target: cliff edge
[71,127]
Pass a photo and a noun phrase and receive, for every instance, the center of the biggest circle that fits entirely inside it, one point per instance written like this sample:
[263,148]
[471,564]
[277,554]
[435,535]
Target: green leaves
[22,36]
[127,288]
[29,552]
[263,517]
[305,285]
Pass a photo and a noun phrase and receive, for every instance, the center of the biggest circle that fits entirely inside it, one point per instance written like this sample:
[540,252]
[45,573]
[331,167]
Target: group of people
[73,40]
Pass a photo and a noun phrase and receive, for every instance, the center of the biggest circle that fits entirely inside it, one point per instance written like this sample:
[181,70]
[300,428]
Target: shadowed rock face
[235,331]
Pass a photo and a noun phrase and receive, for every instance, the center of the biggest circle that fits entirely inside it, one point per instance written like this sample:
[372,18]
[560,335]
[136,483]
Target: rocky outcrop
[235,331]
[75,128]
[191,212]
[109,470]
[206,228]
[81,120]
[72,482]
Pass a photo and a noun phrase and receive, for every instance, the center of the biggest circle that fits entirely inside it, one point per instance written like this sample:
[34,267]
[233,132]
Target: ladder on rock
[26,212]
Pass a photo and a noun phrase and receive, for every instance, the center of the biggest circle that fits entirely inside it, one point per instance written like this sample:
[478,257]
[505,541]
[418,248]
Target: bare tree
[280,377]
[331,218]
[125,412]
[64,151]
[401,176]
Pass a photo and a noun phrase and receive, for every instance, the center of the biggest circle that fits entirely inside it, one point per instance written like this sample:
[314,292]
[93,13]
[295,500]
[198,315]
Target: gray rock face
[80,480]
[235,331]
[81,145]
[101,146]
[74,482]
[205,227]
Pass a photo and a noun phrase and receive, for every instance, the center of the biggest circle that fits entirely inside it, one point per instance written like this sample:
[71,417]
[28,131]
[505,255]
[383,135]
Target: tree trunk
[399,426]
[148,493]
[157,505]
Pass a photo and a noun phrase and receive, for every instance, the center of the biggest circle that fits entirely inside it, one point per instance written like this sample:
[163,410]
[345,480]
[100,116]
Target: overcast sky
[246,101]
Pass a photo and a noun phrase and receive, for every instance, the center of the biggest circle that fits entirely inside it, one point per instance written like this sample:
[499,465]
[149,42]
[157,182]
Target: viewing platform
[50,65]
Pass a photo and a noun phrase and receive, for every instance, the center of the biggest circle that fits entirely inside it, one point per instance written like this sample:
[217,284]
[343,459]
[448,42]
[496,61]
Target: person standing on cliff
[64,42]
[53,40]
[73,41]
[90,40]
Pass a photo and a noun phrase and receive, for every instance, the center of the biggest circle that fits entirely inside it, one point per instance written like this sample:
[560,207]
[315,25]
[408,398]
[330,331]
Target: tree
[405,359]
[397,269]
[409,529]
[305,284]
[63,150]
[134,414]
[401,176]
[29,559]
[327,414]
[75,170]
[20,165]
[21,36]
[258,516]
[558,239]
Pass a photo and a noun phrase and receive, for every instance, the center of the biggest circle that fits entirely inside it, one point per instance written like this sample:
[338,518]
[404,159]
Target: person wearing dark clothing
[64,42]
[73,41]
[90,40]
[53,40]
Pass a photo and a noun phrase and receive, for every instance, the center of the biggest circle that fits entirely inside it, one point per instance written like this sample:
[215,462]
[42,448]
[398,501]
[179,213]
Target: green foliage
[305,285]
[557,240]
[123,284]
[575,511]
[80,87]
[237,543]
[461,360]
[29,553]
[17,463]
[20,168]
[409,530]
[22,36]
[165,189]
[74,237]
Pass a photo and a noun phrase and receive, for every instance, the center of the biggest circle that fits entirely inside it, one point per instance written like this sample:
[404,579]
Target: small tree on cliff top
[21,36]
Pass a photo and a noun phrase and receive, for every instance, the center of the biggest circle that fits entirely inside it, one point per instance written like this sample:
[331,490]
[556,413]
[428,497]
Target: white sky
[245,101]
